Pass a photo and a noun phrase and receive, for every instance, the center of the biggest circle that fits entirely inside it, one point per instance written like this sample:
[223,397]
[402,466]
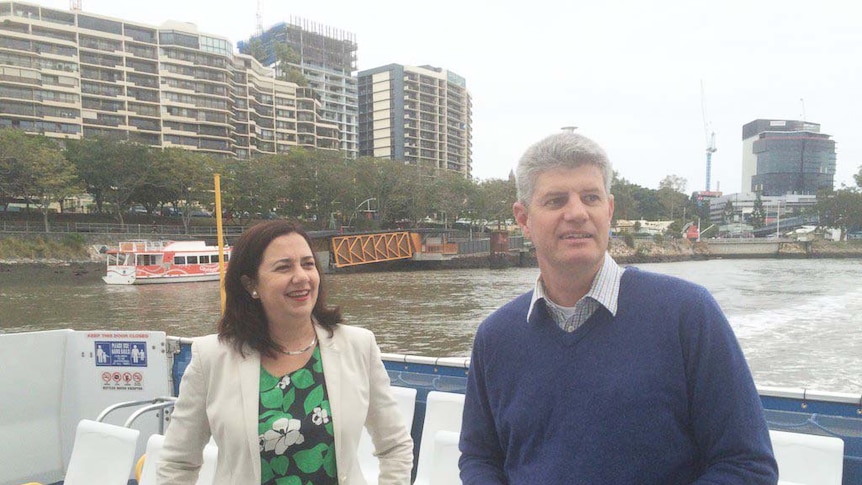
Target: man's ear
[521,217]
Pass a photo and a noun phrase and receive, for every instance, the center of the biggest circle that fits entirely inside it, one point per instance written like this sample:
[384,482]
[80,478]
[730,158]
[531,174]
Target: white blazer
[219,396]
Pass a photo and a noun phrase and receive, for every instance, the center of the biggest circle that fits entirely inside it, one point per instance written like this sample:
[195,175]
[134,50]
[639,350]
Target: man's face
[568,219]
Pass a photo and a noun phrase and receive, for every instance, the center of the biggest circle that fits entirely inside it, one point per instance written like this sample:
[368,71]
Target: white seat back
[807,459]
[154,448]
[443,412]
[103,454]
[446,455]
[370,465]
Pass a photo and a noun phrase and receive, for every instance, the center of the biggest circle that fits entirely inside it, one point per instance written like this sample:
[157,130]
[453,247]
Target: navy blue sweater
[659,394]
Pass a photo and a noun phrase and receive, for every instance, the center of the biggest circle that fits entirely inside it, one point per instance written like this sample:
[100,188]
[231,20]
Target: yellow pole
[220,240]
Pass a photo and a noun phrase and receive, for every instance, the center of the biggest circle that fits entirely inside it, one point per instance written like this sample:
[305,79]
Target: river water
[799,321]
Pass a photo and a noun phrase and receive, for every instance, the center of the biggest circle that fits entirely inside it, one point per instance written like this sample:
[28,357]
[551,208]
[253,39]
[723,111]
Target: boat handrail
[157,403]
[138,245]
[159,406]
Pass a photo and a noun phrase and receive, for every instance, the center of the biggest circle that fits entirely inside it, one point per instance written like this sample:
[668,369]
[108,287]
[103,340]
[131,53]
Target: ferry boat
[148,262]
[57,410]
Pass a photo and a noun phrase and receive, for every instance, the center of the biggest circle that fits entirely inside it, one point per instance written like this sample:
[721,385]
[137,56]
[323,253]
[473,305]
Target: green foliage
[493,200]
[840,209]
[286,59]
[112,170]
[727,215]
[33,167]
[758,213]
[671,195]
[629,240]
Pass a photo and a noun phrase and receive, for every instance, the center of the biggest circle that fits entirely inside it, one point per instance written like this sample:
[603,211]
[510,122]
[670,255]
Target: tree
[758,214]
[626,206]
[112,170]
[257,185]
[54,176]
[452,192]
[494,200]
[12,165]
[672,193]
[37,170]
[286,60]
[187,178]
[383,180]
[727,215]
[840,209]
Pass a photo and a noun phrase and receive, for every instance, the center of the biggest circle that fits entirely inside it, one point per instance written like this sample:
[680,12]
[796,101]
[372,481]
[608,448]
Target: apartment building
[74,74]
[421,115]
[326,57]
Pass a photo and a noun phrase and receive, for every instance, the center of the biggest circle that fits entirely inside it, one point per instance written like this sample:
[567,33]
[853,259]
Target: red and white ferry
[148,262]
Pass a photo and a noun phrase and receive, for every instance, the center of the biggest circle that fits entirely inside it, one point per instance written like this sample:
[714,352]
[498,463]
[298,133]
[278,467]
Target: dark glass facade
[790,162]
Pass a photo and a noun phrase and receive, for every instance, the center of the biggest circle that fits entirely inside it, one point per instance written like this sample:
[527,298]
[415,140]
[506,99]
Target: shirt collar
[605,288]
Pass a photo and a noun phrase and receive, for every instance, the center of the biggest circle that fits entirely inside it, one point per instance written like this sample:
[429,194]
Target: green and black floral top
[297,444]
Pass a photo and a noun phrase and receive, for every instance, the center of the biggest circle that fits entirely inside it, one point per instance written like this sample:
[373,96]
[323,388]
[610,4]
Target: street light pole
[366,201]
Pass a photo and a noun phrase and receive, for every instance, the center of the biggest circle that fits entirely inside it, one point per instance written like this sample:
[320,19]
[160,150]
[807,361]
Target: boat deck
[57,378]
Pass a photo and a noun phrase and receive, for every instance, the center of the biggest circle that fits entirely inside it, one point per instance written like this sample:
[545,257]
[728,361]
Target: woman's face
[287,280]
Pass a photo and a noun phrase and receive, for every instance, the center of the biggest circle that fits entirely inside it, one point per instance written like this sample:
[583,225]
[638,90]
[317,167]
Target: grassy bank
[70,247]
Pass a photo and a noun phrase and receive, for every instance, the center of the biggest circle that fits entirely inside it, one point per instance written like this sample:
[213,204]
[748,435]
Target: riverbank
[78,262]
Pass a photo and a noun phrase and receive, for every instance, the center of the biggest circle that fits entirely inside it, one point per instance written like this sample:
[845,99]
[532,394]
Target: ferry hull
[128,276]
[157,262]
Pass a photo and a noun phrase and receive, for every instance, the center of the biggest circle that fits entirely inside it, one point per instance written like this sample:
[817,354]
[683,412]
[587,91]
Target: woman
[283,388]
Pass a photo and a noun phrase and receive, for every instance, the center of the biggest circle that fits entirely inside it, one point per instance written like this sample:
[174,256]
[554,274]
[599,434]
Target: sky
[646,80]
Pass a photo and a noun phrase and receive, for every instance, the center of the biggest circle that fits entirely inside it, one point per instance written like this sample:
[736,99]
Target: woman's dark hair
[244,321]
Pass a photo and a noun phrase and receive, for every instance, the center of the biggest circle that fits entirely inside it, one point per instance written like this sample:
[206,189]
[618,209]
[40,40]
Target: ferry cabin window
[192,259]
[147,260]
[179,260]
[205,259]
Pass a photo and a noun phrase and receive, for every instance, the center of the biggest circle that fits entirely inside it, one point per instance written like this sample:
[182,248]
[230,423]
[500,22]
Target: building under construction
[326,57]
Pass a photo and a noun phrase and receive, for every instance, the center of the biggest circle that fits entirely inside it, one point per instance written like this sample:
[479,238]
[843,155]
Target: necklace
[300,351]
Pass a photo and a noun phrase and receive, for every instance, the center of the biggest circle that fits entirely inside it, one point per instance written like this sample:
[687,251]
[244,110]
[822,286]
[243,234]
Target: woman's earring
[254,294]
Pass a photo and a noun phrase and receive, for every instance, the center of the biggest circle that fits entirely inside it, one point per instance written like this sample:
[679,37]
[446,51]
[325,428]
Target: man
[604,375]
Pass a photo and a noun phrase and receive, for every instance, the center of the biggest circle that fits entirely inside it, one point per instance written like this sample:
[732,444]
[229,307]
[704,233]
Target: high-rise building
[421,115]
[70,74]
[782,157]
[326,58]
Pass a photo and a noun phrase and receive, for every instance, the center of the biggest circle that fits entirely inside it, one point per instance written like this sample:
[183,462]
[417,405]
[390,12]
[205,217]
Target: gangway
[355,249]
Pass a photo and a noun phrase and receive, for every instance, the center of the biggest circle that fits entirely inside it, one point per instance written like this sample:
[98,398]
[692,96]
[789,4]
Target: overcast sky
[627,73]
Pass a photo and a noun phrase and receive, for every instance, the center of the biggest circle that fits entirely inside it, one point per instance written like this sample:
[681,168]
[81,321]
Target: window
[179,260]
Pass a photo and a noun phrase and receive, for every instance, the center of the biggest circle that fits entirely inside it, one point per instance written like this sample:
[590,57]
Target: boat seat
[102,454]
[368,462]
[446,455]
[807,459]
[443,412]
[151,460]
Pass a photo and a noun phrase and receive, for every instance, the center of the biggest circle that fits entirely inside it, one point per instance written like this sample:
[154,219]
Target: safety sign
[121,353]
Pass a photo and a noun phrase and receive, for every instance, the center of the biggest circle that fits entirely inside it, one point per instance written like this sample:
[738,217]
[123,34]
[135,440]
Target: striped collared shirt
[604,291]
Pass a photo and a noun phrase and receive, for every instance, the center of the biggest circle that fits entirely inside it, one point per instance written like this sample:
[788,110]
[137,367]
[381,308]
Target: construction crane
[258,19]
[709,135]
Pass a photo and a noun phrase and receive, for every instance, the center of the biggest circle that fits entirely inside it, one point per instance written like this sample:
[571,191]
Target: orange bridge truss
[373,248]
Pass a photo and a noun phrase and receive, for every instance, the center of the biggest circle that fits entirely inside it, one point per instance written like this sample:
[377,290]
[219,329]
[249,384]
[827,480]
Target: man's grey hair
[561,150]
